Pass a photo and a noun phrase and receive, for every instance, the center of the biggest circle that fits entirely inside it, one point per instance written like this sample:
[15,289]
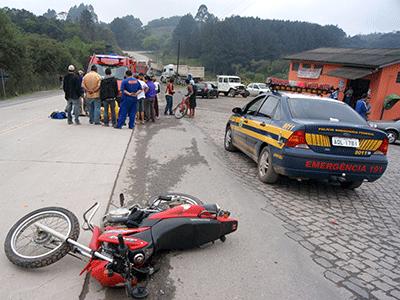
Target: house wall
[386,85]
[323,79]
[382,84]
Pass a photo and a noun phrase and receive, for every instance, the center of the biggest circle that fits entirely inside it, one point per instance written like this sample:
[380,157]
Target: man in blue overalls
[130,88]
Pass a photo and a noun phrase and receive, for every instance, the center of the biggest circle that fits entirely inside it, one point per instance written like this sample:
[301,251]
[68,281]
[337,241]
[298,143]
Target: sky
[353,16]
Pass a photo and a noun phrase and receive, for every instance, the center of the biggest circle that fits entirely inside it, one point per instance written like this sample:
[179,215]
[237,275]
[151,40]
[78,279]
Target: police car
[307,137]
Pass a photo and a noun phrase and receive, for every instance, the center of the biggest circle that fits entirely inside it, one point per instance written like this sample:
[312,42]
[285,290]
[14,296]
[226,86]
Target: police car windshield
[116,71]
[323,110]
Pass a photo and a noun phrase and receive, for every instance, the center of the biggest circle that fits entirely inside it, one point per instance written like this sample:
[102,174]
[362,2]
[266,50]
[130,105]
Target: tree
[75,12]
[87,25]
[203,15]
[50,14]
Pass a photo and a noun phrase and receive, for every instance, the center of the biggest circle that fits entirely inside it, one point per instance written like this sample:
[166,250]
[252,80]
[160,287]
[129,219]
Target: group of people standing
[361,106]
[139,97]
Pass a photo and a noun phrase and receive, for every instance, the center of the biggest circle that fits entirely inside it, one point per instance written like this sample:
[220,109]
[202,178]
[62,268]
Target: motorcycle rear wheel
[28,247]
[184,199]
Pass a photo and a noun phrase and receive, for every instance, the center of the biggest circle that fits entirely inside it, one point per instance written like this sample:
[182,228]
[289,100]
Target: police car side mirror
[237,110]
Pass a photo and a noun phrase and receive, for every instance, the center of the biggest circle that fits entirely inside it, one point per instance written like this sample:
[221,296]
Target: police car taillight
[297,140]
[384,147]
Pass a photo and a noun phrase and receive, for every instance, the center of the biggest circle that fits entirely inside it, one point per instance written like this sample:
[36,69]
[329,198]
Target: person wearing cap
[73,92]
[130,89]
[91,83]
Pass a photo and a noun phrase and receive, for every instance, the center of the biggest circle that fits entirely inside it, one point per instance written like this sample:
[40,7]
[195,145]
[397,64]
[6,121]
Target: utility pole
[179,54]
[2,82]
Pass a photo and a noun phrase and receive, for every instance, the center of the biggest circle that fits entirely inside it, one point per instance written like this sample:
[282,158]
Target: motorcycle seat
[211,208]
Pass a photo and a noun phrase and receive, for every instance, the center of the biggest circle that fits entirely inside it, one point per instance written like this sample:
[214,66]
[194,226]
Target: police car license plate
[345,142]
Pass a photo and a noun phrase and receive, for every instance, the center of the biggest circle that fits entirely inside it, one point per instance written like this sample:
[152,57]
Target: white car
[257,88]
[231,86]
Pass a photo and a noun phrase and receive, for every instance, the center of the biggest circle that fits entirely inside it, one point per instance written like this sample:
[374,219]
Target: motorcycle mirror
[121,199]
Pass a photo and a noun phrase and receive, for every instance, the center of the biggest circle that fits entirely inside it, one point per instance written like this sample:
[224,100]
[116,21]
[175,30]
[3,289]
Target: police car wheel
[351,185]
[228,140]
[266,172]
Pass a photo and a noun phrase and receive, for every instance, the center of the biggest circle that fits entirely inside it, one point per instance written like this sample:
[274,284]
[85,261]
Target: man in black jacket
[108,94]
[73,92]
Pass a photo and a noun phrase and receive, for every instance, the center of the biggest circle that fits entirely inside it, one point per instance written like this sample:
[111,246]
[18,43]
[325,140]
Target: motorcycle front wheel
[29,247]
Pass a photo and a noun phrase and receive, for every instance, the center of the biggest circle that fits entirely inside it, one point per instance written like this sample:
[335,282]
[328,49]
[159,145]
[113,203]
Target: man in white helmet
[73,92]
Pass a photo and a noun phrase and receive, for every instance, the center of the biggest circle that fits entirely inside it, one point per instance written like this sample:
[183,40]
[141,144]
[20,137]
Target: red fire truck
[118,65]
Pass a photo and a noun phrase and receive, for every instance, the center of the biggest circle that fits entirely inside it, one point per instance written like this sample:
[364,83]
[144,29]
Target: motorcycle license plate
[345,142]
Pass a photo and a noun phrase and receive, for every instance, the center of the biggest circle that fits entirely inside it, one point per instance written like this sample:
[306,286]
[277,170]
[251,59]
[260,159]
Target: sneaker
[97,123]
[77,123]
[70,122]
[142,122]
[91,122]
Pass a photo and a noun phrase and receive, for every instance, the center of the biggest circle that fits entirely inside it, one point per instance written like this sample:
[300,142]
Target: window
[256,87]
[319,67]
[306,66]
[295,66]
[225,79]
[234,79]
[398,78]
[250,86]
[323,110]
[220,79]
[253,106]
[268,108]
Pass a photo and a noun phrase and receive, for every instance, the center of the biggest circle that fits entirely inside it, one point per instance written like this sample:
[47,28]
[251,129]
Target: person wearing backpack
[108,94]
[73,92]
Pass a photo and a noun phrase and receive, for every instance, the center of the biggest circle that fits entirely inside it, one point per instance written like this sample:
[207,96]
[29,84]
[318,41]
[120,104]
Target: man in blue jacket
[130,88]
[362,106]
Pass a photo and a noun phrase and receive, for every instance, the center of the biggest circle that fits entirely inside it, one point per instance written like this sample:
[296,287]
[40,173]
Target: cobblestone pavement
[354,235]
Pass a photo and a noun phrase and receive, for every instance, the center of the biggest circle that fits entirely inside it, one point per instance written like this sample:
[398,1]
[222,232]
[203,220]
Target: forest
[35,50]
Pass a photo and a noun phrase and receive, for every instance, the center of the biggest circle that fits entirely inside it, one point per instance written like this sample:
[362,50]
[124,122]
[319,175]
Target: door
[243,129]
[261,120]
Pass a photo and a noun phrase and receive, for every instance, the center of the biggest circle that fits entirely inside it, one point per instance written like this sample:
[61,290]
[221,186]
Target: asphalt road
[286,246]
[257,262]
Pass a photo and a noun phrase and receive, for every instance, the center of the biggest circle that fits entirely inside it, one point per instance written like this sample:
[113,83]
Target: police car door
[249,113]
[261,122]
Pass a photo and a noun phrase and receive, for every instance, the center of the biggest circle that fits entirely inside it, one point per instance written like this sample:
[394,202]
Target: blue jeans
[94,110]
[168,108]
[75,106]
[128,107]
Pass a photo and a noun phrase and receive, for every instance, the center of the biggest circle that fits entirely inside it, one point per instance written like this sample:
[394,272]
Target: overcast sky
[353,16]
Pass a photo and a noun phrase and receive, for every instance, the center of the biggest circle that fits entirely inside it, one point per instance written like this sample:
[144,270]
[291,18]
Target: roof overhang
[350,73]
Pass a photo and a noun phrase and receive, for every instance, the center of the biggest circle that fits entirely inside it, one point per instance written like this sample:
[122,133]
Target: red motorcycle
[120,250]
